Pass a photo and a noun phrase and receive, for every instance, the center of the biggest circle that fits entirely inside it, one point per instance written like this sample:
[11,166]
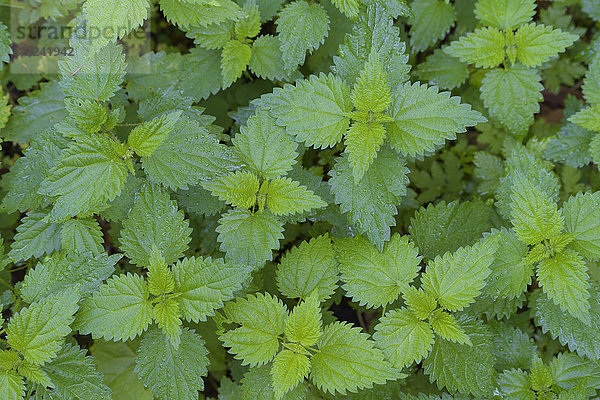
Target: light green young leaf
[257,383]
[249,238]
[285,197]
[347,360]
[424,119]
[350,8]
[184,366]
[371,204]
[304,324]
[447,327]
[82,235]
[154,221]
[463,368]
[431,21]
[267,60]
[582,220]
[160,278]
[505,14]
[62,270]
[188,156]
[363,141]
[88,115]
[238,189]
[377,278]
[301,27]
[588,118]
[534,214]
[457,278]
[114,18]
[38,331]
[288,370]
[234,60]
[12,386]
[248,26]
[565,280]
[315,110]
[166,315]
[204,284]
[403,338]
[261,318]
[145,139]
[119,310]
[371,92]
[484,48]
[265,147]
[89,173]
[35,236]
[74,375]
[307,268]
[95,71]
[512,96]
[536,44]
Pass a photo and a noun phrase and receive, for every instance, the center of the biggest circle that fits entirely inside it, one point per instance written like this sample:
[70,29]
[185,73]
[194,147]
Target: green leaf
[515,385]
[301,27]
[309,267]
[266,148]
[424,119]
[82,235]
[114,18]
[588,118]
[304,325]
[154,221]
[505,14]
[463,368]
[371,91]
[570,371]
[96,70]
[234,60]
[536,44]
[431,21]
[166,315]
[12,386]
[582,220]
[267,60]
[565,280]
[5,49]
[510,274]
[350,8]
[457,278]
[60,271]
[189,13]
[512,347]
[512,96]
[443,70]
[347,360]
[371,204]
[375,278]
[248,26]
[35,236]
[591,83]
[204,284]
[534,215]
[363,141]
[403,338]
[88,115]
[74,376]
[447,327]
[38,331]
[214,36]
[288,370]
[39,110]
[116,361]
[261,319]
[89,173]
[569,330]
[238,189]
[374,32]
[440,228]
[160,278]
[188,156]
[119,310]
[484,48]
[249,238]
[184,366]
[315,110]
[257,383]
[145,139]
[285,197]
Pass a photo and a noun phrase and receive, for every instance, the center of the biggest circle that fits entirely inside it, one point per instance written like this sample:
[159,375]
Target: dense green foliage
[294,199]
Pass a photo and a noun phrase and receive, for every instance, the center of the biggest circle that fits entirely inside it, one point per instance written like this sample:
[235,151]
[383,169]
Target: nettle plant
[269,204]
